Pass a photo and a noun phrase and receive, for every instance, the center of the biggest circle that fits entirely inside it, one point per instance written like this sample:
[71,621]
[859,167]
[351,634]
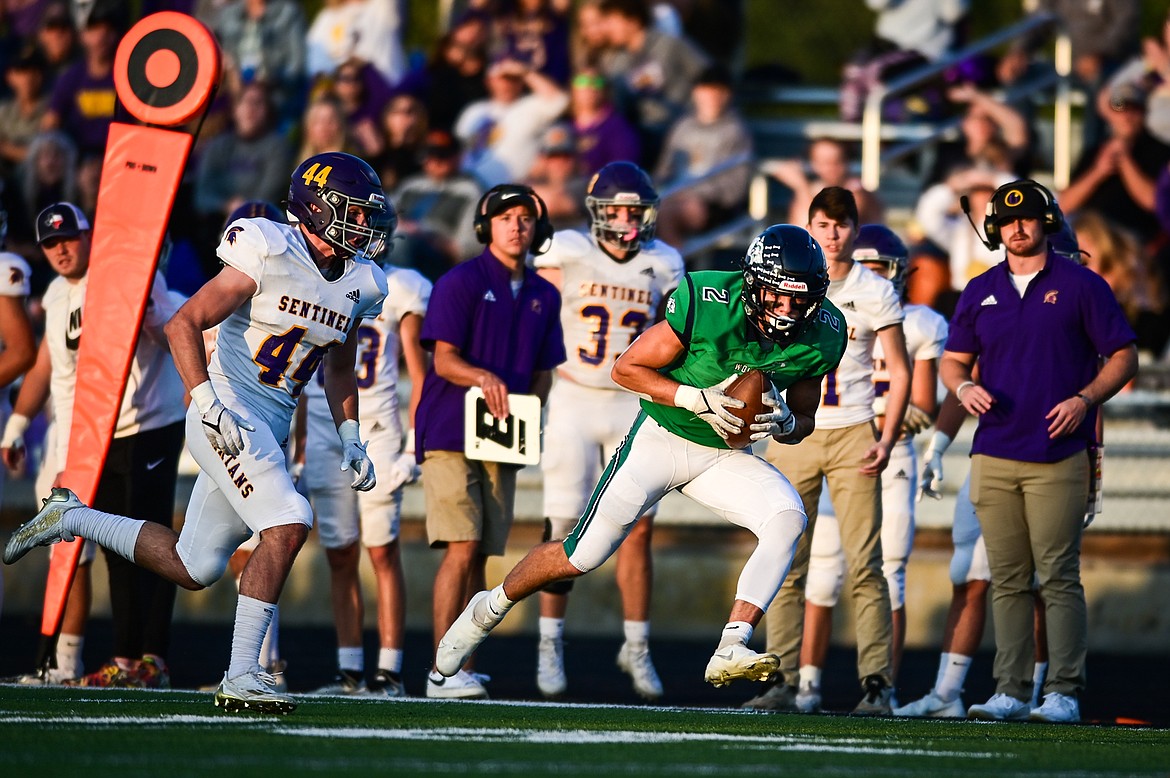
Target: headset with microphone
[542,232]
[1051,218]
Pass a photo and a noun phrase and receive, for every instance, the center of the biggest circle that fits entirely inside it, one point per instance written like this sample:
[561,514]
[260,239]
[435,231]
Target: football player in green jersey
[772,316]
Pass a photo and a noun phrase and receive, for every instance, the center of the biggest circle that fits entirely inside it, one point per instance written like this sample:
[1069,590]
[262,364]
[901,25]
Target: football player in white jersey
[287,301]
[847,451]
[612,283]
[878,248]
[343,516]
[18,348]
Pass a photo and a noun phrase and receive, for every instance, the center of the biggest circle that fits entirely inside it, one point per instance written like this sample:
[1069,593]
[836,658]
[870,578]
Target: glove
[354,457]
[711,406]
[932,472]
[915,421]
[221,426]
[403,470]
[779,423]
[13,440]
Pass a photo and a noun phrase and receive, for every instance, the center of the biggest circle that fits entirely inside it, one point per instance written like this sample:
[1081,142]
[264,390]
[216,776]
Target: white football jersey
[869,303]
[14,282]
[926,336]
[606,303]
[267,350]
[154,391]
[378,350]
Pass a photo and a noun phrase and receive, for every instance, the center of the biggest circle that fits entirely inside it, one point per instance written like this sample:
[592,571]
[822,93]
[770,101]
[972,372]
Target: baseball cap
[61,220]
[558,139]
[507,197]
[1020,199]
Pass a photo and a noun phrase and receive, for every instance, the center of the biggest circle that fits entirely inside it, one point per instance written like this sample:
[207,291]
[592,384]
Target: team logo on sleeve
[671,305]
[232,234]
[17,278]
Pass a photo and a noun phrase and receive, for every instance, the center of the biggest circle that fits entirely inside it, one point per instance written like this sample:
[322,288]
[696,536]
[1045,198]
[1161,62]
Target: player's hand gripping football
[354,457]
[711,406]
[779,423]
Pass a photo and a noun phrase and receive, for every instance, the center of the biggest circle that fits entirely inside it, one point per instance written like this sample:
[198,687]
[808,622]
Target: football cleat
[736,661]
[634,660]
[550,667]
[465,635]
[154,673]
[111,676]
[777,696]
[460,686]
[1001,707]
[45,528]
[387,684]
[934,707]
[346,682]
[254,692]
[276,669]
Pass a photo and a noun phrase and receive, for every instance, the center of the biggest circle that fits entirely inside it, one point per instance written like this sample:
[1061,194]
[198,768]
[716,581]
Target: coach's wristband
[14,430]
[204,396]
[1088,403]
[349,432]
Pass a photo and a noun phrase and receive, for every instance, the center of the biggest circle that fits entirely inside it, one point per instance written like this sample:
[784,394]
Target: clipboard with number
[514,440]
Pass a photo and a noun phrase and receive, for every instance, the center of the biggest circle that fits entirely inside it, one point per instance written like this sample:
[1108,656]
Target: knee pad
[205,565]
[969,562]
[895,573]
[825,578]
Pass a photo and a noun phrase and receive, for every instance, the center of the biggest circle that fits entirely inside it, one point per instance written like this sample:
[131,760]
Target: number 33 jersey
[268,349]
[606,303]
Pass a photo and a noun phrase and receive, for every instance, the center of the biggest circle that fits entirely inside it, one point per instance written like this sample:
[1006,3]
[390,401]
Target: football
[750,388]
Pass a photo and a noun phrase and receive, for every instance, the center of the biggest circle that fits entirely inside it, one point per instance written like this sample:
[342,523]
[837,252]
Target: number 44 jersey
[268,350]
[606,303]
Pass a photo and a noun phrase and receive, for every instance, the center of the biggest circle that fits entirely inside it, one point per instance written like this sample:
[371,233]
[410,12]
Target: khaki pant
[1032,516]
[468,499]
[835,455]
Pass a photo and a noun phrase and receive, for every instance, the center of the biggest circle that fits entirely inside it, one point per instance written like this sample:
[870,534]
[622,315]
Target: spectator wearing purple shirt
[495,324]
[1039,327]
[603,134]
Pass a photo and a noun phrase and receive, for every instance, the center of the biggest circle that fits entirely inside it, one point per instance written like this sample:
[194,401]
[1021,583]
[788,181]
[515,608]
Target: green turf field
[121,733]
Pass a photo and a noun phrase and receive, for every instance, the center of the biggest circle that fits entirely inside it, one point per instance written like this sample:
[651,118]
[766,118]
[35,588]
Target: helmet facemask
[628,235]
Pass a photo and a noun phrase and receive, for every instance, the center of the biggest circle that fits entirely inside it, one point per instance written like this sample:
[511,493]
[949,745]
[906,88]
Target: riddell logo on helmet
[788,285]
[627,197]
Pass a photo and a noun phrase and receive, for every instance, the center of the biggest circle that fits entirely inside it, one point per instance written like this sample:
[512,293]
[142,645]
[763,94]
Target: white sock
[390,659]
[952,674]
[810,677]
[69,653]
[636,631]
[551,627]
[352,659]
[252,619]
[735,632]
[117,533]
[499,602]
[270,648]
[1038,674]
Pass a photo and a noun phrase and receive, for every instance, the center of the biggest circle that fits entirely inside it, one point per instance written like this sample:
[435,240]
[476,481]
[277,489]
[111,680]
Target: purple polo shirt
[1036,352]
[472,308]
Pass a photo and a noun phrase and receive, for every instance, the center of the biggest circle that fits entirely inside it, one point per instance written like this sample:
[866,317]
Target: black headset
[543,230]
[1051,220]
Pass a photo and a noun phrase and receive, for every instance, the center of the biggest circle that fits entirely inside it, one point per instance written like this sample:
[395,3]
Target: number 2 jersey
[706,312]
[270,347]
[378,350]
[605,303]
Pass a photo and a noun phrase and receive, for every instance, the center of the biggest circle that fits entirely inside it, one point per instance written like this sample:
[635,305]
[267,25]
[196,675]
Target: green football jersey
[706,311]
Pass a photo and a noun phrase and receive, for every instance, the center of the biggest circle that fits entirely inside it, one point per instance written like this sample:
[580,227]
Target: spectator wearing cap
[711,135]
[1117,178]
[435,210]
[20,115]
[556,178]
[84,101]
[492,323]
[140,473]
[1037,401]
[501,134]
[603,134]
